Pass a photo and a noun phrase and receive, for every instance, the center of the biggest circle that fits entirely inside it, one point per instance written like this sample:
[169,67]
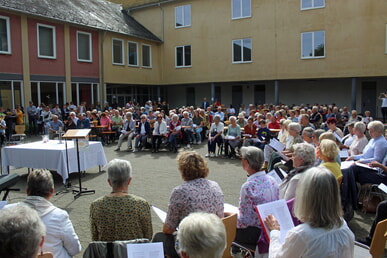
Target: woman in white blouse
[360,140]
[324,232]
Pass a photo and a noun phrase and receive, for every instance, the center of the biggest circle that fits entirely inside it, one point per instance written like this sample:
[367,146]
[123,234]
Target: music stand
[77,134]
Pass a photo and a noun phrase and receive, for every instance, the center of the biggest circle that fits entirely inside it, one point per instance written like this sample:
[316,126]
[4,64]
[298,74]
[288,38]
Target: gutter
[148,5]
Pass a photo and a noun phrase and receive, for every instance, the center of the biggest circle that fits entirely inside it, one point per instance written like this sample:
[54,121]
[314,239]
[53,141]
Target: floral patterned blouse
[193,196]
[258,189]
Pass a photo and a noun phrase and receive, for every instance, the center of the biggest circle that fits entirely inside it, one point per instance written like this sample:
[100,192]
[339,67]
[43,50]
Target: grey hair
[317,133]
[308,131]
[217,116]
[40,183]
[143,116]
[306,152]
[21,231]
[129,114]
[318,199]
[202,235]
[232,118]
[254,157]
[119,172]
[360,126]
[377,126]
[295,126]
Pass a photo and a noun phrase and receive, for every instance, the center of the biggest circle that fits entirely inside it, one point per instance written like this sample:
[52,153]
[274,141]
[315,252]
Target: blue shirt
[376,149]
[84,124]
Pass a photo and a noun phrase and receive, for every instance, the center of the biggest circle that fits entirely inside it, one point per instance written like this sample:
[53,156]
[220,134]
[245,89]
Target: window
[84,46]
[132,54]
[46,41]
[241,50]
[146,56]
[118,51]
[5,37]
[313,44]
[183,56]
[183,16]
[241,9]
[312,4]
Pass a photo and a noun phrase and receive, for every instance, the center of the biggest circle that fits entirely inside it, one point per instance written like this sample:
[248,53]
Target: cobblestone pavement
[154,176]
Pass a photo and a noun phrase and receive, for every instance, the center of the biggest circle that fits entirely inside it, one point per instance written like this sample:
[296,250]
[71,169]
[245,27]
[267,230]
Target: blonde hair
[329,149]
[318,199]
[327,135]
[192,165]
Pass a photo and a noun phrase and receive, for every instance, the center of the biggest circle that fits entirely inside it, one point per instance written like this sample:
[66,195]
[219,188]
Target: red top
[274,125]
[250,130]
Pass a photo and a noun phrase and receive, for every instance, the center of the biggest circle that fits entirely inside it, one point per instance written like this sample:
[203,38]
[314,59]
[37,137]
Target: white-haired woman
[360,140]
[120,215]
[215,136]
[174,132]
[303,158]
[324,232]
[201,235]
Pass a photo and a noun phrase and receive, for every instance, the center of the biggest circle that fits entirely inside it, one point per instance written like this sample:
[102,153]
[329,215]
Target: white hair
[119,172]
[202,235]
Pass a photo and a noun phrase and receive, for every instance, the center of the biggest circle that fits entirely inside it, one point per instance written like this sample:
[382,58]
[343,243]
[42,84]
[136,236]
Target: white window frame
[137,55]
[241,8]
[182,7]
[122,51]
[182,66]
[90,47]
[8,35]
[242,61]
[386,41]
[313,38]
[150,56]
[53,40]
[313,7]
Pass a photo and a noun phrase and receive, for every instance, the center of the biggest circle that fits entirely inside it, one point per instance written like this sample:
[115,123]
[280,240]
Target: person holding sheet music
[347,140]
[259,188]
[375,150]
[303,158]
[359,141]
[263,135]
[324,233]
[215,136]
[331,123]
[328,151]
[196,194]
[249,133]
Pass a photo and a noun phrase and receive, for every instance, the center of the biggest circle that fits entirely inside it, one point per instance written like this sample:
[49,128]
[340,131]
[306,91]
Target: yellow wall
[124,74]
[355,37]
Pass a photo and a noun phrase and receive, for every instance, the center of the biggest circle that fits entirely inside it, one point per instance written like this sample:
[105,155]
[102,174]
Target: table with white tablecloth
[53,155]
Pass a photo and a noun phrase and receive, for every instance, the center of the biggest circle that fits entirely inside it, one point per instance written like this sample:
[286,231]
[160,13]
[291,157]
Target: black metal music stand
[78,134]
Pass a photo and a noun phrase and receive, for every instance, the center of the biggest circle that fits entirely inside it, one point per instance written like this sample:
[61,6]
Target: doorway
[368,97]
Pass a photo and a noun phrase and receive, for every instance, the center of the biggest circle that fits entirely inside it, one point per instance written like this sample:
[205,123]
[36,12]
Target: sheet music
[279,209]
[365,166]
[343,153]
[230,208]
[337,136]
[277,145]
[383,187]
[229,137]
[145,250]
[278,175]
[346,164]
[160,213]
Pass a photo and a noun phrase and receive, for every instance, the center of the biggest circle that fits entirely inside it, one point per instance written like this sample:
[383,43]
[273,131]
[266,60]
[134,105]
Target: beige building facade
[296,51]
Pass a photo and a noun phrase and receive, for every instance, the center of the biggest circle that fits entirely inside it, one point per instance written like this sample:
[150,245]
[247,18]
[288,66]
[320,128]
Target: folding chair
[230,225]
[378,243]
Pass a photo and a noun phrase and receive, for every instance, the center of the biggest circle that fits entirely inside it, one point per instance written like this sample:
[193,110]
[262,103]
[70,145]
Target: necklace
[118,192]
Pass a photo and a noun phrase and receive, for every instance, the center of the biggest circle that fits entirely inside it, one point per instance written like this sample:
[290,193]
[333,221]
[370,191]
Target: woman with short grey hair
[359,141]
[259,188]
[303,158]
[120,215]
[21,232]
[201,235]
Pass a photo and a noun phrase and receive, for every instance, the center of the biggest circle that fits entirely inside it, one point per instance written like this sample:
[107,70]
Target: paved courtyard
[154,176]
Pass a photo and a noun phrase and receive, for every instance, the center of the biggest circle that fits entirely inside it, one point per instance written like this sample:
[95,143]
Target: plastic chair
[19,135]
[378,243]
[230,225]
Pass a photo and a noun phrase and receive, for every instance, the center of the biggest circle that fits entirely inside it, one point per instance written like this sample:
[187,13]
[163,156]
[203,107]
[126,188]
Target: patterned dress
[258,189]
[193,196]
[120,218]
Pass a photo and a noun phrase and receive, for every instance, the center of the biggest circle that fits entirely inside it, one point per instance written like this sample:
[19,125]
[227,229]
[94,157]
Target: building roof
[98,14]
[135,3]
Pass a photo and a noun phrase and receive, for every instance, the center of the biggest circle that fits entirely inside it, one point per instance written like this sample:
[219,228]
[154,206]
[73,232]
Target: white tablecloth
[52,155]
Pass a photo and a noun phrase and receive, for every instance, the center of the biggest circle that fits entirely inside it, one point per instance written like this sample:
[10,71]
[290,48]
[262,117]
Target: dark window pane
[179,56]
[237,51]
[84,46]
[117,52]
[3,35]
[187,55]
[132,50]
[46,41]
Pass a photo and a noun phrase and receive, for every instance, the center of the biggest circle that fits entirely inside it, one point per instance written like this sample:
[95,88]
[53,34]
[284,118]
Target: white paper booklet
[337,136]
[230,208]
[277,145]
[145,250]
[279,209]
[278,175]
[346,164]
[343,153]
[365,166]
[383,187]
[160,213]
